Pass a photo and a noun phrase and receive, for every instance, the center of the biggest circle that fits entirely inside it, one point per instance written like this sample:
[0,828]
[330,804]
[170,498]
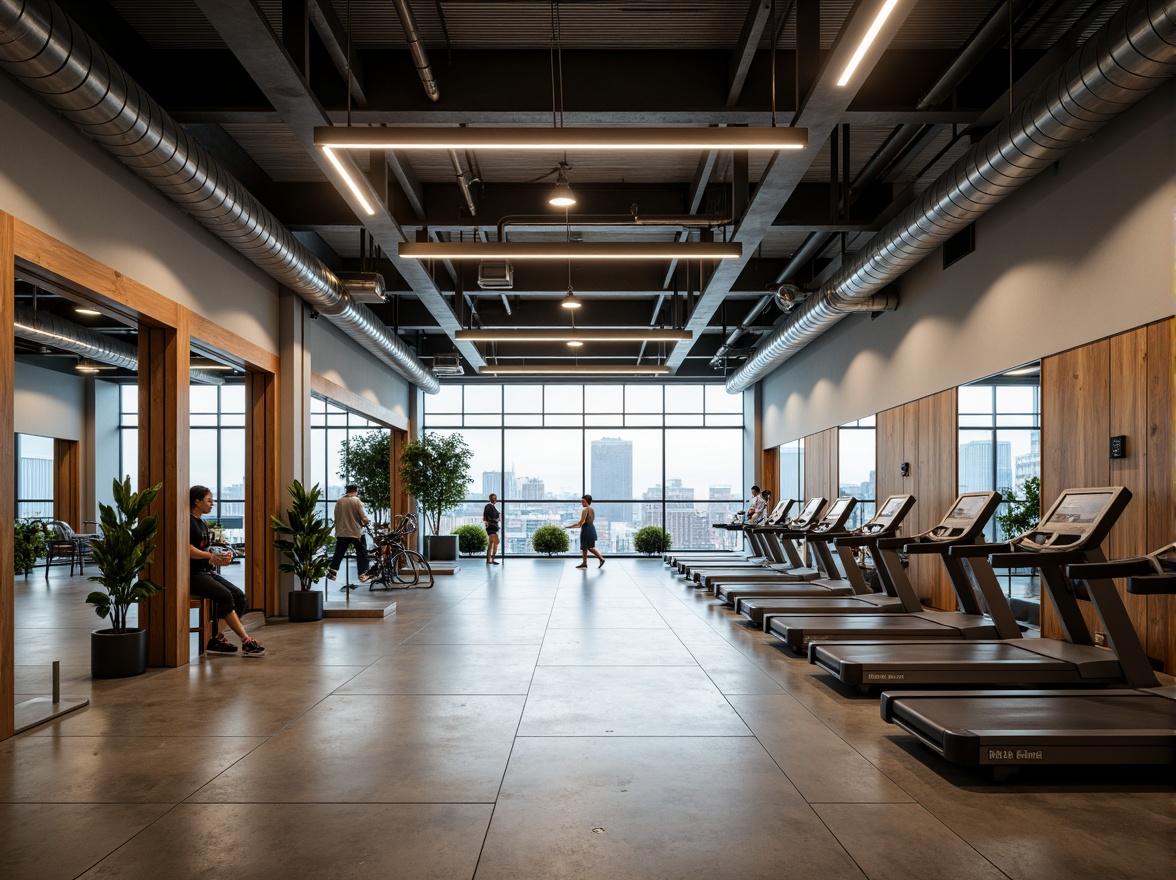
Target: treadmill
[963,524]
[1005,730]
[1071,532]
[763,551]
[781,553]
[755,602]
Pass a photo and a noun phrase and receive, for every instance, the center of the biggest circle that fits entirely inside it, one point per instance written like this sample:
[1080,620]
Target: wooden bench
[203,618]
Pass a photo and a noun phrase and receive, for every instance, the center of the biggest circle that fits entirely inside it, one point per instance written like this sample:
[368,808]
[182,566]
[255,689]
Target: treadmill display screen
[967,508]
[1078,509]
[838,507]
[810,510]
[891,507]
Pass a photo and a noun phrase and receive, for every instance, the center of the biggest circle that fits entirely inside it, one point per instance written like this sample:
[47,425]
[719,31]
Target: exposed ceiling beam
[244,28]
[820,112]
[749,38]
[335,38]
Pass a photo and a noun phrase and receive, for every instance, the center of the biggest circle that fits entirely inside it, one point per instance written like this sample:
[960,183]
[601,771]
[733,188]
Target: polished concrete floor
[524,721]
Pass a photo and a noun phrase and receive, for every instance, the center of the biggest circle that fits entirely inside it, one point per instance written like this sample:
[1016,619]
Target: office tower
[612,478]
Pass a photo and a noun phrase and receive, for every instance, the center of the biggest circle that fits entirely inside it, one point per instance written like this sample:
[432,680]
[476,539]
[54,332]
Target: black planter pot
[441,548]
[118,654]
[306,606]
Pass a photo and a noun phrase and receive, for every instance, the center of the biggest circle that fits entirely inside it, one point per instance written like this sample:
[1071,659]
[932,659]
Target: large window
[665,455]
[330,427]
[792,473]
[216,452]
[34,477]
[857,453]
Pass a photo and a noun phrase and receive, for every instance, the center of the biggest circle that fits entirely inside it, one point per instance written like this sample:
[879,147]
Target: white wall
[57,180]
[1083,251]
[49,403]
[336,357]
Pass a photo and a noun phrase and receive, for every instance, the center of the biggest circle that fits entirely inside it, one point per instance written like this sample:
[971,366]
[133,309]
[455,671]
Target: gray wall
[1083,251]
[49,403]
[335,357]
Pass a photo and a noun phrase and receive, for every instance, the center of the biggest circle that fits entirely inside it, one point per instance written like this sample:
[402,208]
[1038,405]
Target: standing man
[758,508]
[350,519]
[490,517]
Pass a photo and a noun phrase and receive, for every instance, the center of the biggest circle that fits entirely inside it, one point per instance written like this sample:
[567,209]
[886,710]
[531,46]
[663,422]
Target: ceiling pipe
[53,58]
[1125,60]
[589,220]
[420,57]
[463,182]
[48,329]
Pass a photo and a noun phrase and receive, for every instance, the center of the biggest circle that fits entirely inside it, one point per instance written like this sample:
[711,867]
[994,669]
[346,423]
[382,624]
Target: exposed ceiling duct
[1122,63]
[48,329]
[52,57]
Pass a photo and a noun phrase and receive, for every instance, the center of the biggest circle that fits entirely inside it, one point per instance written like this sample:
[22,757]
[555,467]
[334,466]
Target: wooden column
[163,458]
[1161,480]
[67,483]
[7,475]
[397,440]
[770,472]
[262,491]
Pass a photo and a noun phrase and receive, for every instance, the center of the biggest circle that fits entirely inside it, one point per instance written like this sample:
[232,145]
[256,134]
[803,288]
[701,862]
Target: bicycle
[396,567]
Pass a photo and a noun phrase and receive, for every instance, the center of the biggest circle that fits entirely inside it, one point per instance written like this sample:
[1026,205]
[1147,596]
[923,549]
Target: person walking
[490,518]
[227,598]
[587,528]
[350,518]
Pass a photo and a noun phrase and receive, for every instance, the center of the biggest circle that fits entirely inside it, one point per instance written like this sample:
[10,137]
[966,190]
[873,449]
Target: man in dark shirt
[490,518]
[228,599]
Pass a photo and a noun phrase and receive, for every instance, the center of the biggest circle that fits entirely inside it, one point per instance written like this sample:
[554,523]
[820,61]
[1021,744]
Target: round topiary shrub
[471,539]
[652,539]
[550,540]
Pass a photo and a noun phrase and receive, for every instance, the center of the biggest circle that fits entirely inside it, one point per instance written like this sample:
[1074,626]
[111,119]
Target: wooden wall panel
[67,479]
[163,458]
[1128,415]
[770,472]
[262,491]
[7,475]
[889,458]
[1160,442]
[820,464]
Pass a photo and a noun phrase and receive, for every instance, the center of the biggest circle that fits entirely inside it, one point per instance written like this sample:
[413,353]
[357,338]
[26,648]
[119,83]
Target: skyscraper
[612,477]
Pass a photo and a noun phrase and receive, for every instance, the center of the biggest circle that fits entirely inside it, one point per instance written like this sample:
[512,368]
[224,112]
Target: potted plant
[304,537]
[126,547]
[471,539]
[550,540]
[365,460]
[435,470]
[652,539]
[28,545]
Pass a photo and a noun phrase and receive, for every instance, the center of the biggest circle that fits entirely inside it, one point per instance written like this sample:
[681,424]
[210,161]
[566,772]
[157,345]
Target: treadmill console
[779,511]
[834,520]
[1078,520]
[965,519]
[808,515]
[888,517]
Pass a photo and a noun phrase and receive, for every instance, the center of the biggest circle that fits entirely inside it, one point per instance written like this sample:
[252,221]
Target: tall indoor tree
[366,461]
[435,470]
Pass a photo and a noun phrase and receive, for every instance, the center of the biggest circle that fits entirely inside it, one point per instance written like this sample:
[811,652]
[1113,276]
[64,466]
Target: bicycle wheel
[411,569]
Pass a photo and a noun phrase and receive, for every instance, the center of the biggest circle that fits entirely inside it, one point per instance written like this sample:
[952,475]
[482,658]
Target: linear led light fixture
[555,139]
[507,335]
[351,184]
[572,370]
[867,41]
[569,250]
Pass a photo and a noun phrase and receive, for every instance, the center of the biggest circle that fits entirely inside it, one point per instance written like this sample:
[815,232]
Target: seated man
[228,599]
[759,507]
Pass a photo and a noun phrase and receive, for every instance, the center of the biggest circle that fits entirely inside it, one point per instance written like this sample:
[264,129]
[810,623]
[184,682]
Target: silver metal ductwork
[55,332]
[44,50]
[1127,59]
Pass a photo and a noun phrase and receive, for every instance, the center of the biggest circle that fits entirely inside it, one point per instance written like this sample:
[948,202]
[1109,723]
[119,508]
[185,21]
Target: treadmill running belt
[1085,712]
[944,655]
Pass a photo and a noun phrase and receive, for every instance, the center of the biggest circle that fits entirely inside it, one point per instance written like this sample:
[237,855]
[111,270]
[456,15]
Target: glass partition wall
[663,455]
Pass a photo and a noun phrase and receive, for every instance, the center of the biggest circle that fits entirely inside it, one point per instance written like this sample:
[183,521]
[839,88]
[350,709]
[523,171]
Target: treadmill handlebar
[1132,566]
[854,540]
[964,550]
[1026,559]
[1152,585]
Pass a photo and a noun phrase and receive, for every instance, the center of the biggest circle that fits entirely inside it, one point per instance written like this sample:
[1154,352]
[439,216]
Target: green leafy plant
[29,544]
[435,470]
[471,539]
[652,539]
[125,548]
[305,536]
[550,540]
[366,461]
[1022,513]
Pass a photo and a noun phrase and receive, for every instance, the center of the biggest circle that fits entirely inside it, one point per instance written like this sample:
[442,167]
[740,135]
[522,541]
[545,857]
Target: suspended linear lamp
[508,335]
[867,41]
[569,370]
[569,250]
[351,184]
[551,139]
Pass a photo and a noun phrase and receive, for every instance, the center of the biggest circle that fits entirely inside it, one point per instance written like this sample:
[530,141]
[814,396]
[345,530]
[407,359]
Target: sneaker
[364,578]
[330,575]
[253,648]
[220,645]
